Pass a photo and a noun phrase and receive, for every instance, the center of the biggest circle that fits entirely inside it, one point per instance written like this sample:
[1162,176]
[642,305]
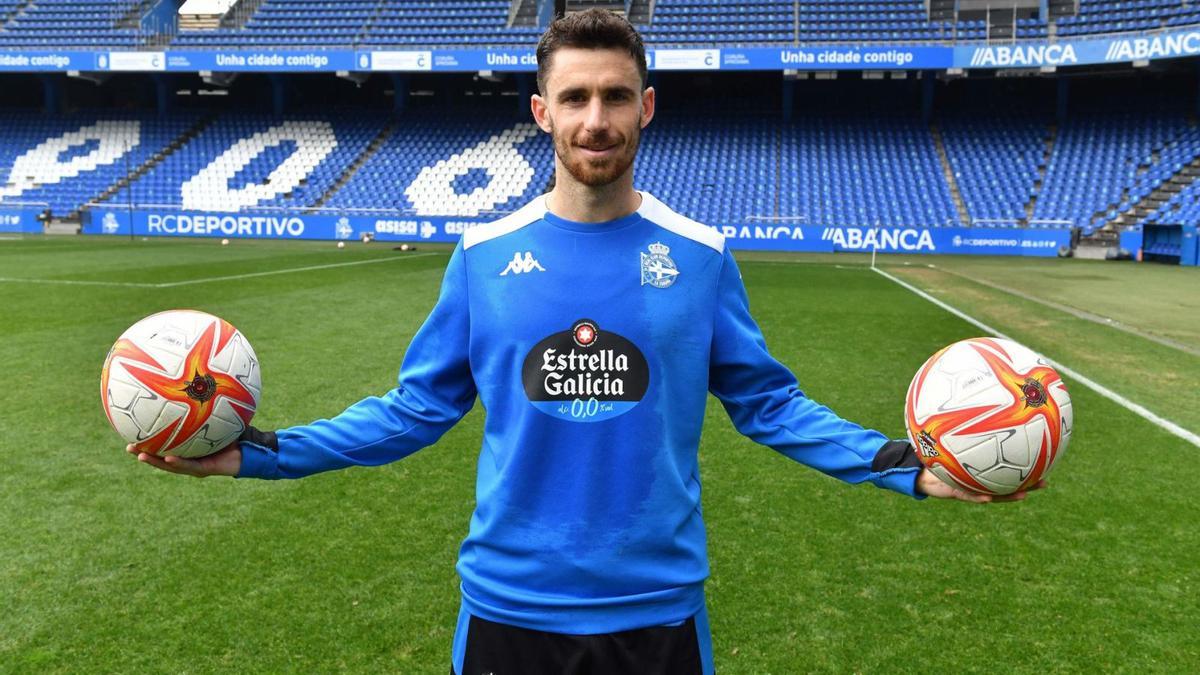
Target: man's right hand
[225,462]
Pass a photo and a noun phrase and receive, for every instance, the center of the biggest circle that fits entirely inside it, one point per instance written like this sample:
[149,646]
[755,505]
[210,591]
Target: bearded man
[592,324]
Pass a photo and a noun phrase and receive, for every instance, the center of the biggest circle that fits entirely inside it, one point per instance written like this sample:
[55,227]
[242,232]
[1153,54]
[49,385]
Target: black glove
[263,439]
[893,455]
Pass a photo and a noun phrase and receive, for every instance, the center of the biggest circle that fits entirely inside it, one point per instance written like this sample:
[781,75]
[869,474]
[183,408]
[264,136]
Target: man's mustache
[597,142]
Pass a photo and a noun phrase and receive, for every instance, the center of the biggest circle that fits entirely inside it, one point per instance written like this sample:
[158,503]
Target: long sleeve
[765,403]
[435,390]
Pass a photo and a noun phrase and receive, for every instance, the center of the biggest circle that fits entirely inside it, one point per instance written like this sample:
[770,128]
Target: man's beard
[597,172]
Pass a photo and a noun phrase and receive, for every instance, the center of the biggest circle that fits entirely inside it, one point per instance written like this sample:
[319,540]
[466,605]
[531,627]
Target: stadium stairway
[373,18]
[61,227]
[240,14]
[1098,245]
[1060,8]
[522,13]
[1156,179]
[1149,205]
[964,216]
[1031,205]
[154,160]
[15,12]
[941,10]
[376,143]
[1183,207]
[641,12]
[133,18]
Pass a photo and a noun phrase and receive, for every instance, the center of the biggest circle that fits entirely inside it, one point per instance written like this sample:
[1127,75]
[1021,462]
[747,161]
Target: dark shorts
[499,649]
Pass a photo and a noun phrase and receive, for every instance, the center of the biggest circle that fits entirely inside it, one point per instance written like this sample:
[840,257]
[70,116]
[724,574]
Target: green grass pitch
[109,566]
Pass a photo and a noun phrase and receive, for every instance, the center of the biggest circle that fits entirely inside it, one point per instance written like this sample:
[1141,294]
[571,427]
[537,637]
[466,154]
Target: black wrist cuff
[264,438]
[895,455]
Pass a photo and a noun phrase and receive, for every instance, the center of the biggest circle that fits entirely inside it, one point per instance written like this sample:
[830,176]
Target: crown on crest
[659,248]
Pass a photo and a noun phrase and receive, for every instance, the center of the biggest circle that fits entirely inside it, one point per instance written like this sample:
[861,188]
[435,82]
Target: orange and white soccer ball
[181,383]
[988,415]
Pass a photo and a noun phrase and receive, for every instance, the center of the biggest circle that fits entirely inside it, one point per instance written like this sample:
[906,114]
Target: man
[592,323]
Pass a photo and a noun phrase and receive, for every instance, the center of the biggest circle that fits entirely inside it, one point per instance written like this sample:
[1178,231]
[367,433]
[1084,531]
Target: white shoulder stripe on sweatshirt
[651,209]
[660,214]
[530,213]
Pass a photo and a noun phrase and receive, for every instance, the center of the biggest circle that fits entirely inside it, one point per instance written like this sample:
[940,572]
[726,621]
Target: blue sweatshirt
[592,346]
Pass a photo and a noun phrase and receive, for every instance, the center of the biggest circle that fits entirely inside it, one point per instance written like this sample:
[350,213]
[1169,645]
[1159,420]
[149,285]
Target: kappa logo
[519,265]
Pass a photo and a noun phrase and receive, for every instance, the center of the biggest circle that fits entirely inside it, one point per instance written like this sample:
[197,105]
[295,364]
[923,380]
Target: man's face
[594,109]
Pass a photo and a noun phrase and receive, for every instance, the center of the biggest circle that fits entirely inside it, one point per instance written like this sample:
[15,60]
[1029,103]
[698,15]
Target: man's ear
[541,112]
[647,106]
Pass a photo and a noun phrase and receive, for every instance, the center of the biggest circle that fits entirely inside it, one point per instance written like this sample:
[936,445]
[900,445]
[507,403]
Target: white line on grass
[1079,313]
[1107,393]
[233,277]
[289,270]
[70,282]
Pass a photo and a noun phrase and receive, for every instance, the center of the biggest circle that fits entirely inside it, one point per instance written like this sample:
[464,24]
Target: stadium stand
[995,159]
[1101,157]
[1157,179]
[851,170]
[66,162]
[382,23]
[881,21]
[249,160]
[731,158]
[379,23]
[1183,207]
[1117,167]
[776,21]
[82,23]
[451,22]
[745,167]
[370,23]
[482,156]
[693,22]
[1119,16]
[288,22]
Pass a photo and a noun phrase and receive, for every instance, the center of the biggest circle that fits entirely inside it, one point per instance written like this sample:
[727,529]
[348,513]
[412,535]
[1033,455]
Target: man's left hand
[929,484]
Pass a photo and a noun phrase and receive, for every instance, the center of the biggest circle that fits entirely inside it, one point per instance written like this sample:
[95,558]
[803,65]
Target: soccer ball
[988,415]
[181,383]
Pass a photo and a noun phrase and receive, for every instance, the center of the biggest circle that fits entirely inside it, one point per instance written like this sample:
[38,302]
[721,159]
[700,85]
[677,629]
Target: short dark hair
[591,29]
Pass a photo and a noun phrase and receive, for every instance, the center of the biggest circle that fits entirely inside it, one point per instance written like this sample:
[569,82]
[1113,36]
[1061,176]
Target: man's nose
[597,116]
